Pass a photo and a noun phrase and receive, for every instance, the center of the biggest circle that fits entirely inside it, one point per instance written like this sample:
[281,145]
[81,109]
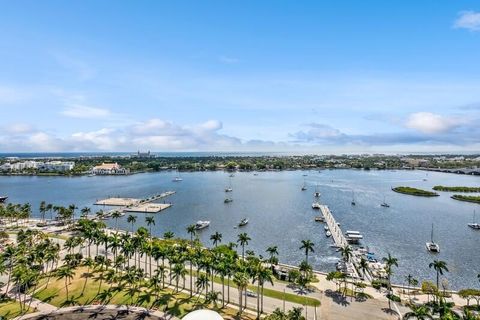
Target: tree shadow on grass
[337,297]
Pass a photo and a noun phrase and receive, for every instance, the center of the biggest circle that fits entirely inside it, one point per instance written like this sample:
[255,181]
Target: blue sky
[309,76]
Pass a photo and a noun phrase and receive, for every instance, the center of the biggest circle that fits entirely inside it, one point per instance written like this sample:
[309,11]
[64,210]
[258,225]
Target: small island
[456,189]
[474,199]
[415,192]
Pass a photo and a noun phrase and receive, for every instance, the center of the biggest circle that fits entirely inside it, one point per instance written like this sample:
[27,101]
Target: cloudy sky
[305,76]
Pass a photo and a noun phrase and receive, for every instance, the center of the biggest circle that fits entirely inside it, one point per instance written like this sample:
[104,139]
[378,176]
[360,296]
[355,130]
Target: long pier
[337,234]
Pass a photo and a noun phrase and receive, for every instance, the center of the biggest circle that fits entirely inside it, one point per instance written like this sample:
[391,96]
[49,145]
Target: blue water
[280,213]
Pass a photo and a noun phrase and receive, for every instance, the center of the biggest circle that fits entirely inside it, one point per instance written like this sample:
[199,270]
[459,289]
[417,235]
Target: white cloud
[469,20]
[85,112]
[431,123]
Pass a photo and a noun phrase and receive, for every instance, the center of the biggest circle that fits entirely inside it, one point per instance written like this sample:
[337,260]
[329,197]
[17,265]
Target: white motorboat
[243,222]
[228,200]
[316,205]
[328,234]
[228,189]
[432,246]
[201,224]
[474,225]
[319,219]
[177,179]
[325,227]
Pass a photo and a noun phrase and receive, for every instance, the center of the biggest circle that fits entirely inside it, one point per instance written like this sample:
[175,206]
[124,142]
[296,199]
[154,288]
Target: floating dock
[137,205]
[149,207]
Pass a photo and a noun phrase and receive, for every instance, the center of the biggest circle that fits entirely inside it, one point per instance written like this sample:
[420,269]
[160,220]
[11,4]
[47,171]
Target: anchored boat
[432,246]
[474,225]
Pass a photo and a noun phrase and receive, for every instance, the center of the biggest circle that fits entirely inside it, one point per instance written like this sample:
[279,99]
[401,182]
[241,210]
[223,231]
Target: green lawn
[272,293]
[9,309]
[178,303]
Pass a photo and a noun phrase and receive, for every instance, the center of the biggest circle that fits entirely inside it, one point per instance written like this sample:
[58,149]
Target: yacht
[316,205]
[243,222]
[3,199]
[432,246]
[228,200]
[201,224]
[328,234]
[325,227]
[474,225]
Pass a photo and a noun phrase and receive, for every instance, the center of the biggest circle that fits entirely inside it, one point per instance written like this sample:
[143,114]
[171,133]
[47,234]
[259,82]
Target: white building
[109,168]
[58,166]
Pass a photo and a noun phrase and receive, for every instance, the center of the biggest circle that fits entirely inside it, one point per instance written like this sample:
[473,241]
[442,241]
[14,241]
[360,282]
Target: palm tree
[390,262]
[216,238]
[346,252]
[85,211]
[150,222]
[115,215]
[241,281]
[243,239]
[307,245]
[191,230]
[168,235]
[419,313]
[131,219]
[43,210]
[363,266]
[411,281]
[273,252]
[65,272]
[439,266]
[202,283]
[261,275]
[178,272]
[212,297]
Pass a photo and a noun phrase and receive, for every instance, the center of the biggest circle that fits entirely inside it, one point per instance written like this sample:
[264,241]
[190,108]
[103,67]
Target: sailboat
[353,199]
[474,225]
[229,188]
[177,177]
[384,204]
[304,186]
[432,246]
[316,193]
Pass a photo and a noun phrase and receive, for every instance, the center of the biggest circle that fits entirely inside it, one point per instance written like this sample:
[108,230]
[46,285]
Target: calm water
[280,214]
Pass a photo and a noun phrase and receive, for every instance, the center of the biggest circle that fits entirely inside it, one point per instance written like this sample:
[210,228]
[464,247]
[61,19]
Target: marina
[277,210]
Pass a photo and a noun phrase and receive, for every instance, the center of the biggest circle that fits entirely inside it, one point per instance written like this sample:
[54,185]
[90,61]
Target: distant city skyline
[283,76]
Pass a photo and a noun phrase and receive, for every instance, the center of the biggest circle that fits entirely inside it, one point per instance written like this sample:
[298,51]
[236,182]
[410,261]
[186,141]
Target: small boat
[474,225]
[201,224]
[328,234]
[384,204]
[3,199]
[231,175]
[316,194]
[91,175]
[319,219]
[326,228]
[177,177]
[243,222]
[228,200]
[255,174]
[304,175]
[316,205]
[304,186]
[432,246]
[228,189]
[353,199]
